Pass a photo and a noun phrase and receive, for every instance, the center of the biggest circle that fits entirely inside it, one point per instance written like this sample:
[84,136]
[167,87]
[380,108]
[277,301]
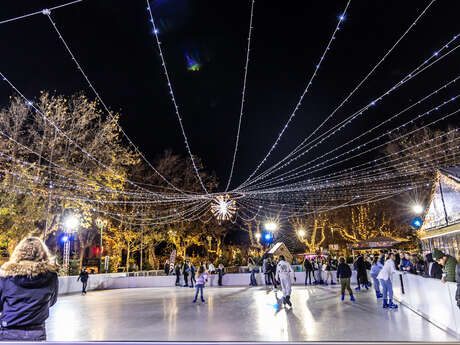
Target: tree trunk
[82,255]
[127,258]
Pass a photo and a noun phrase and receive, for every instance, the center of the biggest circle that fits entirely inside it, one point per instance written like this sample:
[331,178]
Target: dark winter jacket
[27,290]
[397,260]
[360,266]
[83,277]
[166,269]
[343,271]
[307,265]
[436,271]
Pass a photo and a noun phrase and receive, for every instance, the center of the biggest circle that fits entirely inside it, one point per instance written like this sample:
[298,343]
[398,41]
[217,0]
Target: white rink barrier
[429,298]
[68,285]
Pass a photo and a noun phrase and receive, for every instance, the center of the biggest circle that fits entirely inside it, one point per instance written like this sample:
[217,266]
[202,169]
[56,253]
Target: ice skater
[283,274]
[344,274]
[201,276]
[385,276]
[83,277]
[377,266]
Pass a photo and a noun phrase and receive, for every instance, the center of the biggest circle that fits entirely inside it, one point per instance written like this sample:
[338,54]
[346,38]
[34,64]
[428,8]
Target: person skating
[283,274]
[377,266]
[344,275]
[385,276]
[29,288]
[273,266]
[201,276]
[83,277]
[308,270]
[192,274]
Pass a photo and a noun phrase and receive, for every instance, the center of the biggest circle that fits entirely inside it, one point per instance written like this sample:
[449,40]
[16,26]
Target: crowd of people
[29,280]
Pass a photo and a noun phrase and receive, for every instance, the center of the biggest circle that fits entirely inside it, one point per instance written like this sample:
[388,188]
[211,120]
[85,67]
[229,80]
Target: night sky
[113,41]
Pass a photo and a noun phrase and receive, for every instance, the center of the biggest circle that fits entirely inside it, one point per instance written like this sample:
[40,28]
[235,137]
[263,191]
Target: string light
[44,11]
[299,103]
[242,98]
[337,128]
[286,175]
[173,99]
[48,14]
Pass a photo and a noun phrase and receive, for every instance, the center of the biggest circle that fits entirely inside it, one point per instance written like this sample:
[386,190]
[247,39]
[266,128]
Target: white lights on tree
[223,208]
[301,232]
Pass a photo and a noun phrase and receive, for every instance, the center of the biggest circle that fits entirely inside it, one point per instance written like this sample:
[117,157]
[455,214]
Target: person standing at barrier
[201,276]
[448,263]
[266,270]
[283,275]
[308,270]
[177,272]
[83,277]
[29,287]
[167,267]
[273,278]
[252,271]
[361,273]
[377,266]
[192,274]
[319,264]
[185,271]
[328,267]
[344,275]
[220,271]
[432,268]
[385,276]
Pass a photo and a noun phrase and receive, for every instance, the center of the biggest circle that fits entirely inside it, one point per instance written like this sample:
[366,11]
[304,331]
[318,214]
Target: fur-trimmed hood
[27,268]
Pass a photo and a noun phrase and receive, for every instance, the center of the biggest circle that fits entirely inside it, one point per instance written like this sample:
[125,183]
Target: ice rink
[233,314]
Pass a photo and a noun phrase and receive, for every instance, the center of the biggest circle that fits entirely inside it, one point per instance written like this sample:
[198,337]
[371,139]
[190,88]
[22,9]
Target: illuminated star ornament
[223,208]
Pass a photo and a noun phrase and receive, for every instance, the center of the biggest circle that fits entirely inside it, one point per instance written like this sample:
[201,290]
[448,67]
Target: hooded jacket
[27,290]
[387,270]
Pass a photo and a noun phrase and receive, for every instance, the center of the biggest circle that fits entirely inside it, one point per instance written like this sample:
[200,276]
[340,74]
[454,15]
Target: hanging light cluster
[223,208]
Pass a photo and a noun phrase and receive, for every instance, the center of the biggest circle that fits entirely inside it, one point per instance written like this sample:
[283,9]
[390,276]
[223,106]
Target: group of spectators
[188,269]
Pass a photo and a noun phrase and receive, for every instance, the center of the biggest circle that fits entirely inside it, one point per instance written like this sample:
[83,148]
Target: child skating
[201,277]
[283,274]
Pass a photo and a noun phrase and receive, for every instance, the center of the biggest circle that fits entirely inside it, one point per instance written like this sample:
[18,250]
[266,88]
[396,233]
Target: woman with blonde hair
[28,288]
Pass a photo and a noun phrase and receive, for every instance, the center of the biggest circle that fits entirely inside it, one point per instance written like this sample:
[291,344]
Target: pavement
[234,314]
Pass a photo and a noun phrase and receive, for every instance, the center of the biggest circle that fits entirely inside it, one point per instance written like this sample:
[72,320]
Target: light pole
[100,223]
[70,224]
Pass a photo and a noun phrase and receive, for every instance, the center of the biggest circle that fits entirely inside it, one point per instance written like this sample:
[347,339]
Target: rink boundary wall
[427,297]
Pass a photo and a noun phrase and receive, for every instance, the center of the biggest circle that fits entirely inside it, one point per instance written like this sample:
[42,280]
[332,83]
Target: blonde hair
[31,249]
[30,258]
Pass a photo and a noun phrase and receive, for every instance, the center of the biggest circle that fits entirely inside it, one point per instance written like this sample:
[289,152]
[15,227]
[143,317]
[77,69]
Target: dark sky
[112,40]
